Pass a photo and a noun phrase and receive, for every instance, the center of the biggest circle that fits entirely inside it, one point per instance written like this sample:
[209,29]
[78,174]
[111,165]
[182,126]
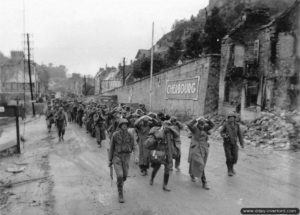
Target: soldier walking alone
[230,132]
[121,147]
[49,118]
[61,123]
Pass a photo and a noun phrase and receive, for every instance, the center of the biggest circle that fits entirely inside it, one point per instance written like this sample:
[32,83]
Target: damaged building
[260,64]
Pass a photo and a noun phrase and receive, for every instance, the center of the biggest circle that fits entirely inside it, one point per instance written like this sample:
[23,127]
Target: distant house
[260,64]
[75,83]
[14,76]
[19,83]
[106,80]
[142,53]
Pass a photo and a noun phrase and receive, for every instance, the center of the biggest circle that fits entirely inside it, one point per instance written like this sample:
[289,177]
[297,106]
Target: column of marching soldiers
[152,138]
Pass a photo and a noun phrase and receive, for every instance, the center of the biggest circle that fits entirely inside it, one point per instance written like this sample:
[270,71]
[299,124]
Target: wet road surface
[80,182]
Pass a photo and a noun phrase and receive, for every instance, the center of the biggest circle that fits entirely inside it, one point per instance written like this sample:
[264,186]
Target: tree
[179,24]
[174,52]
[88,89]
[215,30]
[193,46]
[141,67]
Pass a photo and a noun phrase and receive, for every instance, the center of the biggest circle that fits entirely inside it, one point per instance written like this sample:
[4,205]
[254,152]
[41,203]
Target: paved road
[81,182]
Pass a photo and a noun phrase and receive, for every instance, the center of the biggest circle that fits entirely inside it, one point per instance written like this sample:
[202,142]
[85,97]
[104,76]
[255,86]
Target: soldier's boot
[143,172]
[204,182]
[232,169]
[193,179]
[153,174]
[229,169]
[120,190]
[166,180]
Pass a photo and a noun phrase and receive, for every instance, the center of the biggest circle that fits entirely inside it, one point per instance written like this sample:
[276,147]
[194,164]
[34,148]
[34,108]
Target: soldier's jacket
[49,114]
[200,136]
[61,119]
[80,112]
[160,139]
[122,142]
[231,133]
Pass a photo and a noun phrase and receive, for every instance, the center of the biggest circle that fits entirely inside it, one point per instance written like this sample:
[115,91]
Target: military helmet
[123,121]
[231,115]
[152,115]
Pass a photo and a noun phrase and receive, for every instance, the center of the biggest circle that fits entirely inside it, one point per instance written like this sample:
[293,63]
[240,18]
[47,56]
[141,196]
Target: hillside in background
[229,10]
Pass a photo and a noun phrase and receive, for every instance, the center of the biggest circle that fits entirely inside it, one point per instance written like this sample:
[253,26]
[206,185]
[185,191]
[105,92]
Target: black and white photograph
[158,107]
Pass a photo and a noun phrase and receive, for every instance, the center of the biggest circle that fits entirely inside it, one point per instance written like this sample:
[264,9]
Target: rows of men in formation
[153,139]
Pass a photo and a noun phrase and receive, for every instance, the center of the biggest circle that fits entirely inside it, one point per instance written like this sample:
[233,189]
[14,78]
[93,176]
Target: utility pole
[29,70]
[151,70]
[124,71]
[85,86]
[18,126]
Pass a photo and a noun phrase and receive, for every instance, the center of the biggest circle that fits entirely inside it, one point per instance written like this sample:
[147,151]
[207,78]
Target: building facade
[260,64]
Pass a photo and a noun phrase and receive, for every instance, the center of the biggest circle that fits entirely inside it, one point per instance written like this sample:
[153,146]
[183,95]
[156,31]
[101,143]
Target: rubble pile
[274,130]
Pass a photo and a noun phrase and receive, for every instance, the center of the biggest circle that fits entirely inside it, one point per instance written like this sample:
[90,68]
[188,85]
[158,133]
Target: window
[251,93]
[239,55]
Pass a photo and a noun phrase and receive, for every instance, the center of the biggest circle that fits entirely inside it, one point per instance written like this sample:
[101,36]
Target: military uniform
[199,149]
[160,143]
[177,147]
[143,128]
[99,127]
[80,115]
[49,118]
[61,122]
[230,133]
[121,147]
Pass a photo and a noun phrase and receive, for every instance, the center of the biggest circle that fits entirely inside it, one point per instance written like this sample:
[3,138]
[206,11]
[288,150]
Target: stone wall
[207,68]
[212,93]
[225,57]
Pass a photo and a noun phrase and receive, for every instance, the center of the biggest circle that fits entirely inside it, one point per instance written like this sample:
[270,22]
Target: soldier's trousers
[61,131]
[231,153]
[156,167]
[121,165]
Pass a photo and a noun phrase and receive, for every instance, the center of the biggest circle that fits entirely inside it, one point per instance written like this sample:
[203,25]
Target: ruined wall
[138,92]
[225,57]
[212,94]
[283,68]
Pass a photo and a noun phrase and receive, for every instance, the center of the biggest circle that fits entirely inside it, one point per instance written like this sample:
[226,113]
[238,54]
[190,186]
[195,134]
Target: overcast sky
[84,35]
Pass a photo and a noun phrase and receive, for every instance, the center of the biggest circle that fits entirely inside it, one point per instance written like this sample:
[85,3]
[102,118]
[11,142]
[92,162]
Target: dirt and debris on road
[77,180]
[29,189]
[278,131]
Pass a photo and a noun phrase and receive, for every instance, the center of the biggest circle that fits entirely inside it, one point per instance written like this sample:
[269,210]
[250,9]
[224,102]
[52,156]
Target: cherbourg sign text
[183,89]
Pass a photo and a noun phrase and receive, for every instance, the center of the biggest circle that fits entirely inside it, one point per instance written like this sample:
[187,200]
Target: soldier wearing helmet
[230,132]
[121,147]
[61,123]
